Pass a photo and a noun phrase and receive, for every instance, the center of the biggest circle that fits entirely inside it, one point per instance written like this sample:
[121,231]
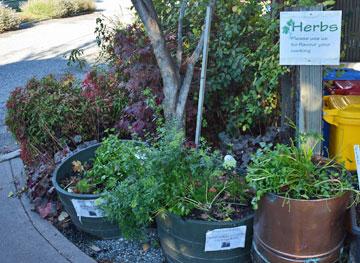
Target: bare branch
[191,61]
[179,50]
[185,88]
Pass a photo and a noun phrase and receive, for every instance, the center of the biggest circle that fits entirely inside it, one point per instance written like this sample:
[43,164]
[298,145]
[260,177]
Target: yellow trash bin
[343,115]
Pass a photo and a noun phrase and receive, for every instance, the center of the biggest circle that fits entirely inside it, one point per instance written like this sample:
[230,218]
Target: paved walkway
[40,50]
[25,237]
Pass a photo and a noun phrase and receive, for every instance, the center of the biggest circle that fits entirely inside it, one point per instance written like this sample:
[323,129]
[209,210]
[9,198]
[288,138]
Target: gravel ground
[116,250]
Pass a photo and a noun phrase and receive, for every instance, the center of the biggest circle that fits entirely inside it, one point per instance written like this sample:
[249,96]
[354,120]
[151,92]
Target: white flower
[229,162]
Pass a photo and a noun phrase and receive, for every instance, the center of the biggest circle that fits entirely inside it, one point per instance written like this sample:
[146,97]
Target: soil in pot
[76,205]
[75,182]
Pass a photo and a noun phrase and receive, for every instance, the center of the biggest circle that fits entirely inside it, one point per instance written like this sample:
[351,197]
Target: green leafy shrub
[8,19]
[294,172]
[45,9]
[326,3]
[47,114]
[114,161]
[243,69]
[178,179]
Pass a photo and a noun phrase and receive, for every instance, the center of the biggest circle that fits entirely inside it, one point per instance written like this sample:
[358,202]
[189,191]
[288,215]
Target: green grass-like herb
[294,172]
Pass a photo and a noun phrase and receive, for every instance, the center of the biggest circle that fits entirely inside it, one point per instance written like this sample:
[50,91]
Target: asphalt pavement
[42,48]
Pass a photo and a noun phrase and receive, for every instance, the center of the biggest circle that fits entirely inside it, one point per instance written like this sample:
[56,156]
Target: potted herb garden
[81,179]
[200,204]
[301,201]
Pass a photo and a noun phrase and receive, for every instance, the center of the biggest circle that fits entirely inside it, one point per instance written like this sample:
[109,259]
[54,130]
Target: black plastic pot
[355,241]
[184,240]
[99,227]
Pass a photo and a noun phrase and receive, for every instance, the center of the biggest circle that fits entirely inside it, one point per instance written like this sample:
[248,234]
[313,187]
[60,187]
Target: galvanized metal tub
[290,230]
[183,241]
[99,227]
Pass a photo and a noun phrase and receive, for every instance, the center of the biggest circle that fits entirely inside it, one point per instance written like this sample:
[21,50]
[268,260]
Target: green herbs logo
[292,27]
[286,28]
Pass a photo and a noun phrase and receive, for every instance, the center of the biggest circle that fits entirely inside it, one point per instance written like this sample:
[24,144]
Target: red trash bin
[344,87]
[343,82]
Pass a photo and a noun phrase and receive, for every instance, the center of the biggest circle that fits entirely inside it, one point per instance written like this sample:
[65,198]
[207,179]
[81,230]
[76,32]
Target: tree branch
[151,10]
[185,88]
[191,61]
[168,69]
[179,50]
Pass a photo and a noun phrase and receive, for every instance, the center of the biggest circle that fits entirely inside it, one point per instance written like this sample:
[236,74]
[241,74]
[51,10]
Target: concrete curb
[9,156]
[61,244]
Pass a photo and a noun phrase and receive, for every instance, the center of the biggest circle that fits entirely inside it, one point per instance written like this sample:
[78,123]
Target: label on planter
[357,160]
[87,208]
[225,238]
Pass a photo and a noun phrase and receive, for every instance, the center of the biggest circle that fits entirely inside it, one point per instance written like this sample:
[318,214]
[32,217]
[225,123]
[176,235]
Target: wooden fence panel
[351,33]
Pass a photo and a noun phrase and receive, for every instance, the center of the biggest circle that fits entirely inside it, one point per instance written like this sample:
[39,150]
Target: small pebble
[117,250]
[95,248]
[63,215]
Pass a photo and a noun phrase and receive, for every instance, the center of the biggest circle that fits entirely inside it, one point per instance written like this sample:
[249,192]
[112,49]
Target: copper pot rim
[307,200]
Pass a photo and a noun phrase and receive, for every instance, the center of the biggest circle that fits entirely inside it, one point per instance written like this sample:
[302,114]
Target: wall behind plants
[243,70]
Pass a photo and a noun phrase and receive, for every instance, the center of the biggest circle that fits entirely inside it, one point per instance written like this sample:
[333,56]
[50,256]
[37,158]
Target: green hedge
[9,20]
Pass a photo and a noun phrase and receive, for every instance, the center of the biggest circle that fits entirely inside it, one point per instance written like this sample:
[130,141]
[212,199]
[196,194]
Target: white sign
[87,208]
[225,238]
[357,160]
[310,38]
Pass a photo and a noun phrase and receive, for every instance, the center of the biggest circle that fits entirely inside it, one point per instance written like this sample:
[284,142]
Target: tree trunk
[175,90]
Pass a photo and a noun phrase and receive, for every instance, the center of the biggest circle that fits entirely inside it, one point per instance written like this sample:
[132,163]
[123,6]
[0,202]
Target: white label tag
[225,238]
[357,160]
[87,208]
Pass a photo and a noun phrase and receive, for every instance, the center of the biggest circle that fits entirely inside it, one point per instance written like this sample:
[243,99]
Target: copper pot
[290,230]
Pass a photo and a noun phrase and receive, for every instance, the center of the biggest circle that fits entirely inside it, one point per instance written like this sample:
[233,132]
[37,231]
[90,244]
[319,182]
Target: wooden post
[309,85]
[288,99]
[310,96]
[310,100]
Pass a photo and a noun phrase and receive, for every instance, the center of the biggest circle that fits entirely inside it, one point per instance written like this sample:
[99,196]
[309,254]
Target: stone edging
[9,156]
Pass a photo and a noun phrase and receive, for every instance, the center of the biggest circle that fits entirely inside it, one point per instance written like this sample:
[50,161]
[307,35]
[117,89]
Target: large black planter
[98,227]
[184,240]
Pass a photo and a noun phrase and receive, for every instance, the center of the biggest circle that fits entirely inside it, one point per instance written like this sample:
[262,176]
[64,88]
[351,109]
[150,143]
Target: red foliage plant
[46,115]
[134,61]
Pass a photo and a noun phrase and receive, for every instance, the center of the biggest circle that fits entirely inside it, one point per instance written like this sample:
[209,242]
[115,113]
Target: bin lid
[342,74]
[350,112]
[341,101]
